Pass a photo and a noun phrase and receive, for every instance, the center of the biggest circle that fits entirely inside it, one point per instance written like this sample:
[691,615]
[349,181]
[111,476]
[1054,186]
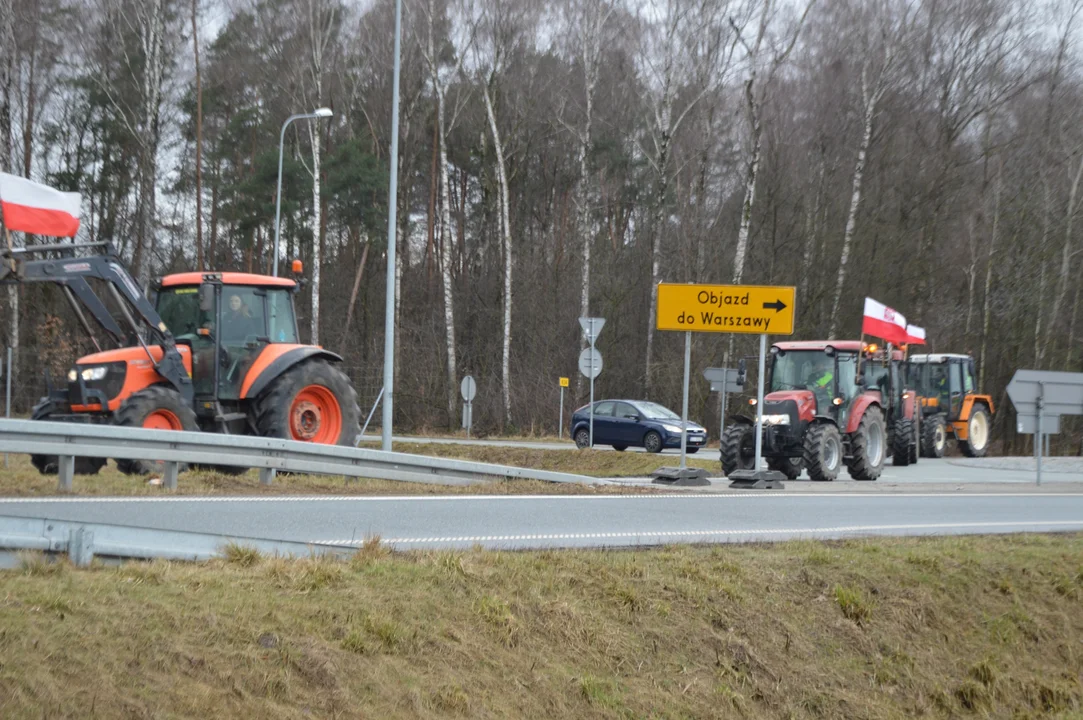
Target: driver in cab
[818,379]
[238,323]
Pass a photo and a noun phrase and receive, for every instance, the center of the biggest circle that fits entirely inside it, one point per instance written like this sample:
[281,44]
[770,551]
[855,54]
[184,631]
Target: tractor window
[242,314]
[847,380]
[802,370]
[280,317]
[968,379]
[179,310]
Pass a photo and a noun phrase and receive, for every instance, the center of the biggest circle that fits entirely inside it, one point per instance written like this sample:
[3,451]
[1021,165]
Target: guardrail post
[169,477]
[267,476]
[66,471]
[81,546]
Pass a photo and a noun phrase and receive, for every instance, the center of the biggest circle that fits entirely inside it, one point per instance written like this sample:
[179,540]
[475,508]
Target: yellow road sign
[752,309]
[564,382]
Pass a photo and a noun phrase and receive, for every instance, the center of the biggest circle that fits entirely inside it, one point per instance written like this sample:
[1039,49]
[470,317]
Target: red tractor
[829,403]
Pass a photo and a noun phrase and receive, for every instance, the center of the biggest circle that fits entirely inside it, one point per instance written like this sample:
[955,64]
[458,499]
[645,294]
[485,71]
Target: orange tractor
[950,404]
[213,352]
[829,403]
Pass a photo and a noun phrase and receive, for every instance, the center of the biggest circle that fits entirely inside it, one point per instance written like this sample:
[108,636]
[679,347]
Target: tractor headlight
[72,375]
[93,373]
[776,419]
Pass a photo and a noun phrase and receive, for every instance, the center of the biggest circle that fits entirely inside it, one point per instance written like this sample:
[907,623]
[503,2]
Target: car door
[626,425]
[604,428]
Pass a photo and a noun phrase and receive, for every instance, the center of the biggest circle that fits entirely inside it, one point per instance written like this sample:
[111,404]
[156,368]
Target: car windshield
[657,412]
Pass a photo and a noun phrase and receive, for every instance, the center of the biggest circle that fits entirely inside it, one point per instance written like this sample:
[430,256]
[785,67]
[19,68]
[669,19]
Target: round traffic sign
[590,362]
[469,388]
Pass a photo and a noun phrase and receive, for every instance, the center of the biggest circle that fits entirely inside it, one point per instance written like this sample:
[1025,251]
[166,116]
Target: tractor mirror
[206,298]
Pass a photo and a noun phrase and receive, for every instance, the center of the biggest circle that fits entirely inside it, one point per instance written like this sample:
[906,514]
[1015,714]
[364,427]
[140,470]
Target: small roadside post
[7,369]
[1040,397]
[469,389]
[590,360]
[564,382]
[745,309]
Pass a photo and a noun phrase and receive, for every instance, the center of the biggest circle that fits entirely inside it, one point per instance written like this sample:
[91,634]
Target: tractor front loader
[214,352]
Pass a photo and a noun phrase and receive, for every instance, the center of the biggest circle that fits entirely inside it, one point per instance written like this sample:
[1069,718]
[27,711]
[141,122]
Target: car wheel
[582,438]
[620,448]
[652,442]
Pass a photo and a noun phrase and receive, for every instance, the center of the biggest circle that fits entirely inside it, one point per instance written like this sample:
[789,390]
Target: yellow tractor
[950,404]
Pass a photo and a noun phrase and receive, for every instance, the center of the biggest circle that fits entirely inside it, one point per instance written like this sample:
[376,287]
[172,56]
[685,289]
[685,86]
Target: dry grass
[21,479]
[681,632]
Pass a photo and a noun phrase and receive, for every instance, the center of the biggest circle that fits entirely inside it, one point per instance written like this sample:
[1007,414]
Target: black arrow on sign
[777,305]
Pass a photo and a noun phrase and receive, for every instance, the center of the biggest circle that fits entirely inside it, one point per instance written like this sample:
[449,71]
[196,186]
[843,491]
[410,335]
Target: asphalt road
[516,522]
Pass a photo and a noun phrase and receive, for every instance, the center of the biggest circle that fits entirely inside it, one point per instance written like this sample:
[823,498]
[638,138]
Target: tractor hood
[133,356]
[785,401]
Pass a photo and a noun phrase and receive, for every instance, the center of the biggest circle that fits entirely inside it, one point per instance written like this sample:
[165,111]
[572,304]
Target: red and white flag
[38,209]
[883,322]
[915,335]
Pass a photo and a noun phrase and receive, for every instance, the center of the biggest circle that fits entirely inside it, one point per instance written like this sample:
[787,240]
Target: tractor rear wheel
[49,464]
[155,408]
[901,439]
[934,437]
[823,452]
[311,402]
[868,446]
[977,433]
[788,466]
[738,448]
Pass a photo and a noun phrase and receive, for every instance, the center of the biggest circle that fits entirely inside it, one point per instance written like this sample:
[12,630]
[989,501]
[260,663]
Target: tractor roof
[228,278]
[938,357]
[844,345]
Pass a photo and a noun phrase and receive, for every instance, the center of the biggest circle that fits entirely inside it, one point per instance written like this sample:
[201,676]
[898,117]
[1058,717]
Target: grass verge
[21,479]
[681,632]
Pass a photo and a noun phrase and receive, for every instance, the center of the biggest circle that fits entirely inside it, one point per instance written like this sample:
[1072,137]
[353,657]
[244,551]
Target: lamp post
[392,206]
[319,113]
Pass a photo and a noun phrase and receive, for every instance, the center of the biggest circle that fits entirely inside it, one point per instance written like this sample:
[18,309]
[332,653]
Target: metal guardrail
[269,455]
[83,541]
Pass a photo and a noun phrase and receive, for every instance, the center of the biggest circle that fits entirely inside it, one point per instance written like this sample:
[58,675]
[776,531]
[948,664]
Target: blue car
[626,423]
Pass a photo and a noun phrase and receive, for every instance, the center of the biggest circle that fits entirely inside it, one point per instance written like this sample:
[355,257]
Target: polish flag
[38,209]
[883,322]
[915,335]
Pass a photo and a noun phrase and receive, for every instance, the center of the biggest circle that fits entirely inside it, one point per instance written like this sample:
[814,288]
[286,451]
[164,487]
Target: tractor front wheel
[154,408]
[868,446]
[738,448]
[788,466]
[902,437]
[48,464]
[914,450]
[311,402]
[823,452]
[934,437]
[977,433]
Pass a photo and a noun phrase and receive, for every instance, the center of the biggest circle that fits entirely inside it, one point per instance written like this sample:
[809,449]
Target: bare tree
[199,137]
[7,82]
[683,57]
[441,82]
[877,42]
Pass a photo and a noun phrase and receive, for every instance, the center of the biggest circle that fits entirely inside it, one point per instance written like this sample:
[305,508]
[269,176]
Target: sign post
[1040,397]
[560,422]
[746,309]
[7,393]
[590,361]
[469,390]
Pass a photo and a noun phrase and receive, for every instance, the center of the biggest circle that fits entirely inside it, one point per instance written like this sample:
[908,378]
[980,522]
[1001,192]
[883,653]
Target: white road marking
[353,542]
[467,497]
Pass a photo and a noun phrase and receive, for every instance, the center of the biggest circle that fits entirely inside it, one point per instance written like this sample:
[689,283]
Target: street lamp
[392,207]
[319,113]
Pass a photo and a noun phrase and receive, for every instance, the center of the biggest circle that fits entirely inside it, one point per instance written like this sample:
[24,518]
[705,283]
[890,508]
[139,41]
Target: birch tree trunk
[1039,351]
[317,231]
[7,79]
[199,138]
[994,236]
[153,40]
[447,250]
[870,97]
[505,238]
[1065,256]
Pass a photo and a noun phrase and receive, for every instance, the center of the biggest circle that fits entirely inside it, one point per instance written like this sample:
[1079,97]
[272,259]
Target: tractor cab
[811,379]
[226,319]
